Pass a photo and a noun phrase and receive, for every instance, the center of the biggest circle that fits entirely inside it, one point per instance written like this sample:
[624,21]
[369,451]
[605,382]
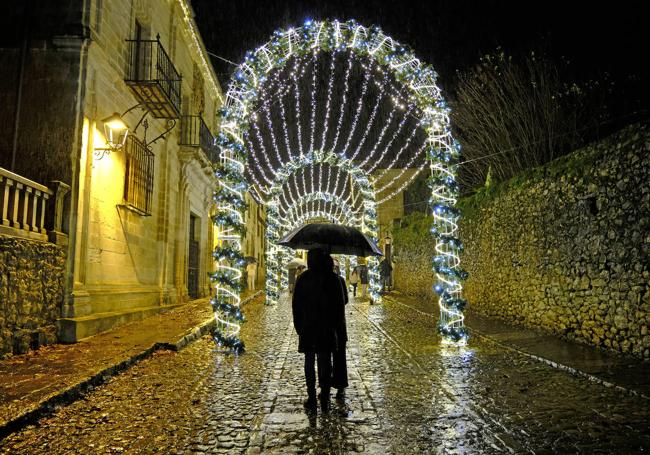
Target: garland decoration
[334,181]
[229,200]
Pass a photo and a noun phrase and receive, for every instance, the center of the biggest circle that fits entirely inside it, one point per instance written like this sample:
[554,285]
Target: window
[138,187]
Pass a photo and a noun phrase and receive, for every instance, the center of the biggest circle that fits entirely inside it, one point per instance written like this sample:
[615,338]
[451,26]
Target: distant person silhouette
[354,280]
[317,304]
[339,361]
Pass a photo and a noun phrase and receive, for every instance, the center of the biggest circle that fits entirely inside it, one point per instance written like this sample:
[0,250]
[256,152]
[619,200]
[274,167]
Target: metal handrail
[148,62]
[195,133]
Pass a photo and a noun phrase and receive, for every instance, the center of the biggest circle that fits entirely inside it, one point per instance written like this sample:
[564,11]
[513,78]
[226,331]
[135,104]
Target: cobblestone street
[408,394]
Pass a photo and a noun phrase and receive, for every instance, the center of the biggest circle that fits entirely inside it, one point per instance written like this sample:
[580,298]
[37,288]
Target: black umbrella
[333,238]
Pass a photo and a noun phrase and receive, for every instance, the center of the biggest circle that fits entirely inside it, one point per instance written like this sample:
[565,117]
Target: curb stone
[73,393]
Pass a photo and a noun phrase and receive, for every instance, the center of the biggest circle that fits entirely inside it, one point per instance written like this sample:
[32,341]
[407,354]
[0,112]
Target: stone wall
[414,248]
[564,248]
[31,293]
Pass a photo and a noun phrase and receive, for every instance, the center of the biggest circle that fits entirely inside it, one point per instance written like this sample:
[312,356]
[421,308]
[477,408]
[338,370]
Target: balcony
[195,133]
[153,78]
[31,210]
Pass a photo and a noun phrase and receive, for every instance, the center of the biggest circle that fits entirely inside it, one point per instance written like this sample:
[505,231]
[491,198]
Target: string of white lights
[400,188]
[269,126]
[373,115]
[418,97]
[328,102]
[294,77]
[396,133]
[314,106]
[251,172]
[360,104]
[346,88]
[265,156]
[380,138]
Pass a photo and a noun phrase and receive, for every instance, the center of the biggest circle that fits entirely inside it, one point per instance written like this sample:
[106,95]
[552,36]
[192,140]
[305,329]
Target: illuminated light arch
[276,257]
[277,226]
[361,179]
[347,211]
[442,151]
[320,215]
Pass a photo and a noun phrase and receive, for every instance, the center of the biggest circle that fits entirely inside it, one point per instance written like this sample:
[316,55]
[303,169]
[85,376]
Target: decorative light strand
[422,96]
[346,88]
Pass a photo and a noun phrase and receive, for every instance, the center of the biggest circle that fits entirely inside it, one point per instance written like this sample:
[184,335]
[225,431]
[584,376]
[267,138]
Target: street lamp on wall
[115,132]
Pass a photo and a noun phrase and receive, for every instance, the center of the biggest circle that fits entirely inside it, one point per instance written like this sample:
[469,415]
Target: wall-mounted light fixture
[115,131]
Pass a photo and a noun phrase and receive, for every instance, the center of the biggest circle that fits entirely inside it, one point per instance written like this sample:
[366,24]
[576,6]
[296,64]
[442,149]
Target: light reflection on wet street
[408,394]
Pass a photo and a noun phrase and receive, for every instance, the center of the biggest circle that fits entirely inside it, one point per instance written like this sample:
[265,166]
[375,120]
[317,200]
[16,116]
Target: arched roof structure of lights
[279,68]
[313,202]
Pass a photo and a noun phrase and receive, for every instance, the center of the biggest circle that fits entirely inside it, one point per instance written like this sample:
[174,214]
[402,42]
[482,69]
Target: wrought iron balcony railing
[153,78]
[195,133]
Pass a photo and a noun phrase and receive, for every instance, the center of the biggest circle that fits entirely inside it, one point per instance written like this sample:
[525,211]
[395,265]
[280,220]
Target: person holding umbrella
[318,306]
[339,361]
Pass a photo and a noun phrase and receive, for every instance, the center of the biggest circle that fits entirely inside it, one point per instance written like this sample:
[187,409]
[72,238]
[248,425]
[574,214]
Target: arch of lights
[248,109]
[347,212]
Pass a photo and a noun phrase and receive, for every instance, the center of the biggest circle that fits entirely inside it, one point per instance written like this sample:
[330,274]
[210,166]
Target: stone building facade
[255,242]
[138,217]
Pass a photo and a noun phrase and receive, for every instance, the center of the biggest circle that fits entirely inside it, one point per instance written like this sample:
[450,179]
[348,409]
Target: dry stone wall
[564,248]
[31,293]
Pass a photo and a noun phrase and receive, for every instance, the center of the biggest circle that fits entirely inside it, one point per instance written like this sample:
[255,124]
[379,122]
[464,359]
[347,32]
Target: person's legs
[310,378]
[354,289]
[324,360]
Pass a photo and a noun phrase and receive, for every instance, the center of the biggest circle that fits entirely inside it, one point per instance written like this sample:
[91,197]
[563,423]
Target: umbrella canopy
[333,238]
[295,263]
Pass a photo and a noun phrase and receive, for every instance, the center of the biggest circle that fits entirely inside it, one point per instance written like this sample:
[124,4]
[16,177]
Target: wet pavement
[408,394]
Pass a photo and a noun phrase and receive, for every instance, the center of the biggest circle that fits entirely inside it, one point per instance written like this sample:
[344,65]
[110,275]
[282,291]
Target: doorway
[193,259]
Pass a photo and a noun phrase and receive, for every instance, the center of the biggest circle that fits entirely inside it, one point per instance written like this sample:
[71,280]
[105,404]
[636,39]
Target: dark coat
[318,309]
[363,274]
[342,329]
[385,268]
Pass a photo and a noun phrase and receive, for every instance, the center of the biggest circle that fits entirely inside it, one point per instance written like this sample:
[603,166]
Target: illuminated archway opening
[360,212]
[274,82]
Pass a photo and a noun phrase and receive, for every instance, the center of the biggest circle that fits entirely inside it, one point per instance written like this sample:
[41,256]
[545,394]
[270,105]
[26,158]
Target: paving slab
[627,373]
[34,383]
[408,394]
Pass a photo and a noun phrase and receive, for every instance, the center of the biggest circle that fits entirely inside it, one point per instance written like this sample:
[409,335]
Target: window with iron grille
[138,187]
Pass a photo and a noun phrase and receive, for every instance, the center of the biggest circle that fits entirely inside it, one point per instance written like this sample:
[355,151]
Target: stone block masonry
[31,293]
[564,247]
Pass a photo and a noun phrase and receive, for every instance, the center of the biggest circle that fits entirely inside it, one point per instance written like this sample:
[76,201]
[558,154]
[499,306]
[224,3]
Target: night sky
[595,37]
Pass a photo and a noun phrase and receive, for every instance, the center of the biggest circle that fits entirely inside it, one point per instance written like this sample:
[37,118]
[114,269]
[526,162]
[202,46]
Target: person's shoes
[325,402]
[340,394]
[311,404]
[325,405]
